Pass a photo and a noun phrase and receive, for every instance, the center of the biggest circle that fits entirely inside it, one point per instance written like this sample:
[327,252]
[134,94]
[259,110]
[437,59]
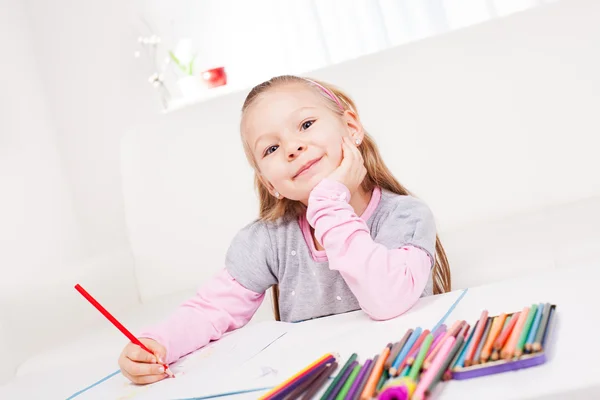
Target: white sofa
[494,126]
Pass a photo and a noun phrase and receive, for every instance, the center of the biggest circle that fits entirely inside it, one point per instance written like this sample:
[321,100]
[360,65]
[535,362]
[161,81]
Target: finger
[141,369]
[143,380]
[136,353]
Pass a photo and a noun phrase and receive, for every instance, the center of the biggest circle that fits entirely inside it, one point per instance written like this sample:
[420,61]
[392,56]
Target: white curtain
[257,39]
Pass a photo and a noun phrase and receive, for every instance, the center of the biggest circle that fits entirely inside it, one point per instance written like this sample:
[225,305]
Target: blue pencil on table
[404,352]
[534,328]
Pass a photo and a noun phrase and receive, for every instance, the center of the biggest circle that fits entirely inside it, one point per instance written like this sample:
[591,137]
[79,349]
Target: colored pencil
[340,384]
[476,338]
[360,378]
[506,332]
[394,370]
[366,378]
[304,384]
[317,384]
[431,372]
[463,352]
[549,326]
[412,354]
[348,384]
[525,331]
[436,340]
[339,376]
[509,349]
[494,333]
[396,349]
[453,331]
[375,375]
[416,367]
[537,345]
[290,384]
[486,332]
[534,328]
[445,365]
[384,377]
[118,325]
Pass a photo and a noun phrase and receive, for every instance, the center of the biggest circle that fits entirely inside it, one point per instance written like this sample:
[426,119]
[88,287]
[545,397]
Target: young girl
[336,233]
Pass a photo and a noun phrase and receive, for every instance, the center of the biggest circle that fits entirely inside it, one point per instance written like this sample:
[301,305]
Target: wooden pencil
[433,369]
[353,392]
[415,349]
[534,328]
[346,388]
[394,370]
[476,338]
[384,377]
[508,350]
[365,378]
[416,367]
[463,353]
[460,339]
[506,332]
[339,376]
[494,333]
[396,349]
[340,384]
[436,340]
[537,344]
[290,384]
[484,336]
[301,388]
[549,327]
[371,385]
[321,380]
[525,331]
[453,331]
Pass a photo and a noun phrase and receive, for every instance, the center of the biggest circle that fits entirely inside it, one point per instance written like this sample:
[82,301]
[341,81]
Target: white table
[568,373]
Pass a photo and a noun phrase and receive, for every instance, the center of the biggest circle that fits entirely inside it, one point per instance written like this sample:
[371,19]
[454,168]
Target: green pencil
[384,377]
[416,367]
[339,376]
[342,394]
[525,331]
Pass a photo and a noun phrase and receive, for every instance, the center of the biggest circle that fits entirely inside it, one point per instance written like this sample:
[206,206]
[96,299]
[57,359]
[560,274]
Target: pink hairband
[327,92]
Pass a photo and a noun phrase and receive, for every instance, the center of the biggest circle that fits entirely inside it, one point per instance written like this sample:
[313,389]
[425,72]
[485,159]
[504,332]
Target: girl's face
[296,139]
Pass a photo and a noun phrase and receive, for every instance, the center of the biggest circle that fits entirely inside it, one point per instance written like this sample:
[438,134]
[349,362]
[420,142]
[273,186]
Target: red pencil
[476,338]
[116,323]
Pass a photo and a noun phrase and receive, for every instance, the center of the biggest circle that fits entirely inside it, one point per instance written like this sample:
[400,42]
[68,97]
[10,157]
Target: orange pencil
[503,338]
[509,349]
[476,338]
[371,385]
[494,332]
[453,331]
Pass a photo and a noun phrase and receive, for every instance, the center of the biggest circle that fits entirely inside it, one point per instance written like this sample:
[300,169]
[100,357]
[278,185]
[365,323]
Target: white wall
[96,90]
[39,234]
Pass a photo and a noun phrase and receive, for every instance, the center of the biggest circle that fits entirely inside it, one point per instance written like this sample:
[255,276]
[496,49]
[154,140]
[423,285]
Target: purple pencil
[359,378]
[342,381]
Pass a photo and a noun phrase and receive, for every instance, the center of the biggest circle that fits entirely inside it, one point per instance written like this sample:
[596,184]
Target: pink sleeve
[386,282]
[219,306]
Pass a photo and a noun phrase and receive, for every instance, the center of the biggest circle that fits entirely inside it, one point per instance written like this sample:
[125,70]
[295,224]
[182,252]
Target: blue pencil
[404,352]
[534,328]
[460,362]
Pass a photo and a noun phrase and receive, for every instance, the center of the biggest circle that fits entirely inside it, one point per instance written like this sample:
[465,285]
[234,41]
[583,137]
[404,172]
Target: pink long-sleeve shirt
[380,262]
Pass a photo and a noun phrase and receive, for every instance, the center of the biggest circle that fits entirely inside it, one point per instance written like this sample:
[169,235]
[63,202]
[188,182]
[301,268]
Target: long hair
[378,174]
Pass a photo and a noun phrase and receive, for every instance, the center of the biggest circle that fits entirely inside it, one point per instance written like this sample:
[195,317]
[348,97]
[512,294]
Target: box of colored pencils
[506,342]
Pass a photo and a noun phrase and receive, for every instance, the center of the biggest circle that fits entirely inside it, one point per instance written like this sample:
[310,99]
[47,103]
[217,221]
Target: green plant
[188,68]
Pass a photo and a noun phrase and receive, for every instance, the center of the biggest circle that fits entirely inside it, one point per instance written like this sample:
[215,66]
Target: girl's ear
[269,187]
[355,128]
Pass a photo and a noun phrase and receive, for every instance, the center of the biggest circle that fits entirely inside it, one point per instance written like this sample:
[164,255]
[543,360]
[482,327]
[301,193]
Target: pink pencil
[453,331]
[436,364]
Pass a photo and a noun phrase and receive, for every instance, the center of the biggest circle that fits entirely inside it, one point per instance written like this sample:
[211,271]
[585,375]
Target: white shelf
[208,94]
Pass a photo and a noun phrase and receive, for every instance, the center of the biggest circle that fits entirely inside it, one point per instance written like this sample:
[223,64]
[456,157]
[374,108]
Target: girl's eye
[307,124]
[270,150]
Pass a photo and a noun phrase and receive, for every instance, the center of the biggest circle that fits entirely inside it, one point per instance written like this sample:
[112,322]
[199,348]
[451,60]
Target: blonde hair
[378,174]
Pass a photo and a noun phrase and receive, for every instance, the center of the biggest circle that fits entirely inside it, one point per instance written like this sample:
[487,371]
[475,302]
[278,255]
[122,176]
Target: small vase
[190,86]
